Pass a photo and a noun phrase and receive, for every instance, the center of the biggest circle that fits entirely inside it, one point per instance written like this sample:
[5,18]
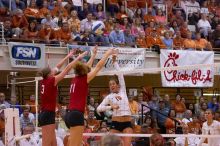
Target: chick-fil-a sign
[201,76]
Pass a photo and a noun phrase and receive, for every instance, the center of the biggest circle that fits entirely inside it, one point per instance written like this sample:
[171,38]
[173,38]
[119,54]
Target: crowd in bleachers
[159,24]
[160,115]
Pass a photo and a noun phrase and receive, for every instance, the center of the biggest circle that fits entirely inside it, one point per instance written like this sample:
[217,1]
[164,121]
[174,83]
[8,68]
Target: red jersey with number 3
[48,94]
[78,93]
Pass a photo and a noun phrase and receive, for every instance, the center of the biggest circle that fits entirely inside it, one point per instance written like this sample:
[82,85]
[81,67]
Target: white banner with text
[202,76]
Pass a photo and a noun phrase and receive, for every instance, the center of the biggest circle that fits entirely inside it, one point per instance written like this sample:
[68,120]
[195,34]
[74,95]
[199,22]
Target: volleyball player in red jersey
[74,118]
[48,94]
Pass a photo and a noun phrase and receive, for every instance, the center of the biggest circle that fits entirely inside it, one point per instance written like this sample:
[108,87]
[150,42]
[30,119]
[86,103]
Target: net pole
[36,103]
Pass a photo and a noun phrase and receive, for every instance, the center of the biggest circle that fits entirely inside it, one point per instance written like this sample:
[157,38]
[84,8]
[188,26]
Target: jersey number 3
[42,89]
[72,88]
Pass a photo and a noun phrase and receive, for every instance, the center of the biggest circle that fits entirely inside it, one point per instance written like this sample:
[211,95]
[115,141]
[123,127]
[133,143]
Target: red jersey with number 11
[78,93]
[48,94]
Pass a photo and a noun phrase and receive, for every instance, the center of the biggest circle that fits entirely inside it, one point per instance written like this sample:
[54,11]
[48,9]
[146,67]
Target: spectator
[31,102]
[174,27]
[117,36]
[193,3]
[133,105]
[141,40]
[161,116]
[148,17]
[100,14]
[204,26]
[213,105]
[86,24]
[15,104]
[87,37]
[129,38]
[184,30]
[32,12]
[150,28]
[178,41]
[167,101]
[178,18]
[188,43]
[44,10]
[111,140]
[125,24]
[184,4]
[31,32]
[26,117]
[156,140]
[154,40]
[91,106]
[179,106]
[204,107]
[113,7]
[47,34]
[187,117]
[214,22]
[75,35]
[140,103]
[2,119]
[191,107]
[15,4]
[3,101]
[149,125]
[199,104]
[74,22]
[194,125]
[31,141]
[122,13]
[48,20]
[64,34]
[84,13]
[19,22]
[202,44]
[170,123]
[160,18]
[168,41]
[139,13]
[216,36]
[154,105]
[59,19]
[59,9]
[137,28]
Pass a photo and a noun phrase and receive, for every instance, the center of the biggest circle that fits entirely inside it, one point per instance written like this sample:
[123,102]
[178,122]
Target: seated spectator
[161,28]
[170,123]
[46,34]
[189,43]
[111,140]
[31,102]
[178,41]
[202,44]
[156,140]
[116,36]
[160,17]
[149,125]
[199,104]
[216,37]
[204,26]
[32,12]
[113,7]
[168,41]
[141,40]
[122,13]
[83,14]
[49,21]
[109,26]
[19,23]
[3,101]
[133,104]
[179,106]
[214,104]
[148,17]
[26,117]
[137,28]
[15,4]
[75,35]
[86,24]
[87,37]
[59,8]
[204,107]
[184,30]
[154,41]
[173,28]
[150,28]
[139,13]
[140,103]
[187,117]
[125,24]
[44,10]
[15,104]
[74,21]
[129,38]
[214,22]
[59,19]
[31,32]
[100,14]
[194,125]
[64,34]
[178,18]
[184,4]
[30,141]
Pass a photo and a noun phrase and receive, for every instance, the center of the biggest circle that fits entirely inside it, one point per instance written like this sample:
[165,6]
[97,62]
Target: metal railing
[2,38]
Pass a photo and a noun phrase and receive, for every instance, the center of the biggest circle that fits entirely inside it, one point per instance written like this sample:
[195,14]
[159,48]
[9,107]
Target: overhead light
[211,94]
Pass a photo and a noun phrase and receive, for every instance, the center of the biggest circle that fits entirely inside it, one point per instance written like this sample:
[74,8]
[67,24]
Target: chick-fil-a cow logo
[194,76]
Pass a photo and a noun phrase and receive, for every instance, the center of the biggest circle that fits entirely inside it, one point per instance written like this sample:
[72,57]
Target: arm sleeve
[104,105]
[120,79]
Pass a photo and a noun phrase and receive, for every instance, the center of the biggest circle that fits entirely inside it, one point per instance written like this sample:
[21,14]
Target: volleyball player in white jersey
[210,127]
[117,100]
